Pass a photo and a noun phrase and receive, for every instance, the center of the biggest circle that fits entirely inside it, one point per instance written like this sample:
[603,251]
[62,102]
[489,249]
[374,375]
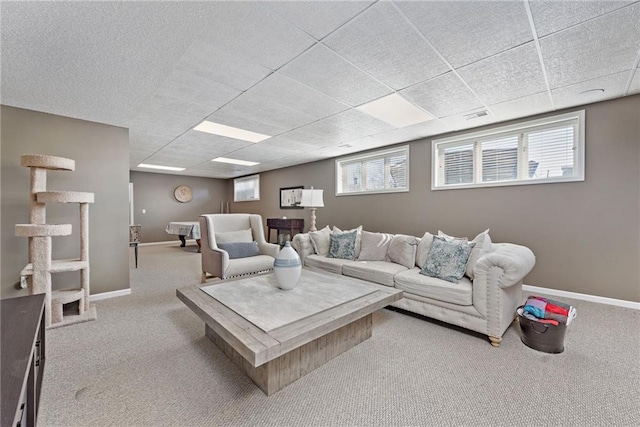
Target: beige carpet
[146,362]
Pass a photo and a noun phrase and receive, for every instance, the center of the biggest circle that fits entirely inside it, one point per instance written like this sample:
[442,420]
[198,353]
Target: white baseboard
[583,297]
[112,294]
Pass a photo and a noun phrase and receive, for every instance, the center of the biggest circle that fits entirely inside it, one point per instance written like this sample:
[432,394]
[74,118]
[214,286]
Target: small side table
[134,239]
[288,224]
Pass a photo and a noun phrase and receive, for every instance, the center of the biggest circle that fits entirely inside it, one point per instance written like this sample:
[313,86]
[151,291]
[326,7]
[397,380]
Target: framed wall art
[290,197]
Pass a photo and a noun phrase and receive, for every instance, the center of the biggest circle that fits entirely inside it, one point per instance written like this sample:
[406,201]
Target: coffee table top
[261,302]
[263,322]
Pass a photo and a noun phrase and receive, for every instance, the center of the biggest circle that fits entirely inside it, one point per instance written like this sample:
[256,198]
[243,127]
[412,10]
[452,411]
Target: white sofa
[484,300]
[234,228]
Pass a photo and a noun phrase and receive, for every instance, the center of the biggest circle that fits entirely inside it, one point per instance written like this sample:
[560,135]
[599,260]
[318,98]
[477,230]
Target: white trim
[112,294]
[165,242]
[583,297]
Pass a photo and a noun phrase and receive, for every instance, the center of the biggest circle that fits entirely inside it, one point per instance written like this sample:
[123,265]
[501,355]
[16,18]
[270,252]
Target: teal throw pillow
[343,245]
[447,260]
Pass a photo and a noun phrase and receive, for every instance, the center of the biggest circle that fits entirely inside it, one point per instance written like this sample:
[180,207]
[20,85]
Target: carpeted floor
[146,362]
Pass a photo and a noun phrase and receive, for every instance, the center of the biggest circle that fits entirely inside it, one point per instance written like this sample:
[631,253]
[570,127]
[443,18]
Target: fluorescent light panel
[230,132]
[166,168]
[234,161]
[395,110]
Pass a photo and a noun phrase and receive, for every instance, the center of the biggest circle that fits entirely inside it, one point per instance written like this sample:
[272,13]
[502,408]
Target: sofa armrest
[302,244]
[270,249]
[515,261]
[497,287]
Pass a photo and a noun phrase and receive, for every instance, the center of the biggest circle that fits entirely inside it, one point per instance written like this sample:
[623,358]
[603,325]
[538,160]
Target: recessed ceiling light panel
[234,161]
[230,132]
[167,168]
[395,110]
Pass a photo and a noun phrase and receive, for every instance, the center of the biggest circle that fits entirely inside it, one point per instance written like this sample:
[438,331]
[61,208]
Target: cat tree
[36,276]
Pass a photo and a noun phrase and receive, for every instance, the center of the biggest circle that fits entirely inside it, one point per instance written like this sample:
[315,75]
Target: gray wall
[153,192]
[586,235]
[101,153]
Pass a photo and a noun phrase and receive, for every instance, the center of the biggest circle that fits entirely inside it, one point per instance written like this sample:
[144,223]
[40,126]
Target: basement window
[385,171]
[543,151]
[246,189]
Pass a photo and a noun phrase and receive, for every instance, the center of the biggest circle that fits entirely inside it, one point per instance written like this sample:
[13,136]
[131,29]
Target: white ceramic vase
[287,267]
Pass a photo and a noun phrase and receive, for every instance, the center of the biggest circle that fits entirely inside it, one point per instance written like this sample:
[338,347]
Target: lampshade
[312,198]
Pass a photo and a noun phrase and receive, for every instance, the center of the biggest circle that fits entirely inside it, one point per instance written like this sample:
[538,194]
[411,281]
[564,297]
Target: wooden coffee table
[278,336]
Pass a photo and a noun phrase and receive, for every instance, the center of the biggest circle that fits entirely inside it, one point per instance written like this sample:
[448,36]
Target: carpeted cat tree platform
[36,276]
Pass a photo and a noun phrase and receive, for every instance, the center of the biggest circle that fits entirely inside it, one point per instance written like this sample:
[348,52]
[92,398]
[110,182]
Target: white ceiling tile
[165,114]
[550,16]
[600,47]
[318,18]
[327,72]
[508,75]
[467,31]
[522,107]
[379,42]
[197,90]
[210,62]
[442,96]
[256,33]
[584,93]
[358,123]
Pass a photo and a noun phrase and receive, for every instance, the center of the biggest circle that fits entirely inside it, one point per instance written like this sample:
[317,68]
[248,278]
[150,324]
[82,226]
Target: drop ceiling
[298,71]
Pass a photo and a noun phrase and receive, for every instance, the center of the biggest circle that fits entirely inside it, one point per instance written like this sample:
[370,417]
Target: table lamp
[312,199]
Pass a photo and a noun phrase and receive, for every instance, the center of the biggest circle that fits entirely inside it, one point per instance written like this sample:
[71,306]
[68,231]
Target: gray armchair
[216,262]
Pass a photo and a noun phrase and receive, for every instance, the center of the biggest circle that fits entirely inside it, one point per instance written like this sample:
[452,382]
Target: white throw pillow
[402,250]
[320,240]
[374,246]
[423,249]
[482,247]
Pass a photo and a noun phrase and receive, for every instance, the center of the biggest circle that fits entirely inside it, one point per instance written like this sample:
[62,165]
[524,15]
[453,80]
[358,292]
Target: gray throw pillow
[343,245]
[447,260]
[240,249]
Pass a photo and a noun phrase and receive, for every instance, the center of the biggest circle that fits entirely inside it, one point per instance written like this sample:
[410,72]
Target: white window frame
[256,191]
[437,173]
[369,156]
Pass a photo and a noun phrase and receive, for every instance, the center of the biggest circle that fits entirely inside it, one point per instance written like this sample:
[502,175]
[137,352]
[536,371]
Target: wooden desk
[23,357]
[290,224]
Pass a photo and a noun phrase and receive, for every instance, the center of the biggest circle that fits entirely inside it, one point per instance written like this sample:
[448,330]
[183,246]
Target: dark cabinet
[22,356]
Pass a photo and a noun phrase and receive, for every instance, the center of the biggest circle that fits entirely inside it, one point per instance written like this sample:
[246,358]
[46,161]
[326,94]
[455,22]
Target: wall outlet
[144,211]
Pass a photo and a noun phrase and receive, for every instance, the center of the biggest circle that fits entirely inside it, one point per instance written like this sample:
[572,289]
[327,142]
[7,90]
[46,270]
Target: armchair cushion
[240,249]
[234,236]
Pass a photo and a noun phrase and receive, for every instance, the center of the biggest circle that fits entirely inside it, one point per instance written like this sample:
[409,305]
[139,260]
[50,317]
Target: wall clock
[183,194]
